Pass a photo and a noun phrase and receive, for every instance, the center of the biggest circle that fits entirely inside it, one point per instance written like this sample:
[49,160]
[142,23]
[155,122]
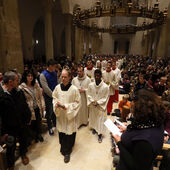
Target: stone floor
[87,153]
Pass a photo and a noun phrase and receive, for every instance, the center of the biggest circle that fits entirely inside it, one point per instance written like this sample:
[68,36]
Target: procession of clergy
[87,99]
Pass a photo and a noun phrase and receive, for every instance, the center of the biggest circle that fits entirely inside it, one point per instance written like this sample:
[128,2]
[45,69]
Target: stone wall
[11,48]
[142,42]
[19,17]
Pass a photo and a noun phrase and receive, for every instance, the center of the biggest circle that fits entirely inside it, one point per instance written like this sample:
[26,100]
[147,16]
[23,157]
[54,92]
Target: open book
[112,127]
[1,149]
[119,123]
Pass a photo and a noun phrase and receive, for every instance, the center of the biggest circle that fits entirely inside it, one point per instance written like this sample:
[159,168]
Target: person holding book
[66,104]
[143,139]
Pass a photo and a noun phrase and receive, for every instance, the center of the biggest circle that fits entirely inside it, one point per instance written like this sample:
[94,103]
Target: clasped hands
[82,90]
[95,103]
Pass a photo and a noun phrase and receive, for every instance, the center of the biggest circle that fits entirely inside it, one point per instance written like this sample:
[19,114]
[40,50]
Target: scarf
[143,125]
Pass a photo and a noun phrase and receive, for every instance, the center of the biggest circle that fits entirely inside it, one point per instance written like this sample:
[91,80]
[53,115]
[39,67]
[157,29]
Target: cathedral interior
[34,31]
[43,29]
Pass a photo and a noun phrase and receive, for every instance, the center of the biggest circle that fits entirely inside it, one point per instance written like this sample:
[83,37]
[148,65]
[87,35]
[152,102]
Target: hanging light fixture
[130,9]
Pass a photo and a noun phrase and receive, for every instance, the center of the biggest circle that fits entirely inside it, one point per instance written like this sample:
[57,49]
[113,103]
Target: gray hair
[9,75]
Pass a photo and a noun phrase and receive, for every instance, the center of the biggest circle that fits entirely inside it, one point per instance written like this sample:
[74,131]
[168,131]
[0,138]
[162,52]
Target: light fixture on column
[36,41]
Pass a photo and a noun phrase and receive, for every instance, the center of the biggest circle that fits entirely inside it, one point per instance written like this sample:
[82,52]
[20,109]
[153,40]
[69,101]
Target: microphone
[9,141]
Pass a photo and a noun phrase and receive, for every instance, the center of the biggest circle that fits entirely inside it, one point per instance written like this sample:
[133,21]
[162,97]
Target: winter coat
[29,98]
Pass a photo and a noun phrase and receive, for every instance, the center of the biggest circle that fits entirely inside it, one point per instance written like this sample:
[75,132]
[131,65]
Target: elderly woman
[143,139]
[35,101]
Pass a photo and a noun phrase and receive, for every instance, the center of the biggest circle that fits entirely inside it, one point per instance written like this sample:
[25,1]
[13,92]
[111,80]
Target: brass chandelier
[156,16]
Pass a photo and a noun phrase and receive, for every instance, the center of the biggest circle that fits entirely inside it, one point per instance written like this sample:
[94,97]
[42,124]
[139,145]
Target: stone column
[3,47]
[150,43]
[92,43]
[78,43]
[68,27]
[87,42]
[81,43]
[163,44]
[98,45]
[48,30]
[156,40]
[11,55]
[146,43]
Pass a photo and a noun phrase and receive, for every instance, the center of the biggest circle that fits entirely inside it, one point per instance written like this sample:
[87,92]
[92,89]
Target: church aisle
[87,153]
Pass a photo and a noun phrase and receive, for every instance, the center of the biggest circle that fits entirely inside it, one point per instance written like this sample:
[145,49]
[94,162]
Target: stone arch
[65,6]
[121,46]
[38,41]
[28,19]
[58,19]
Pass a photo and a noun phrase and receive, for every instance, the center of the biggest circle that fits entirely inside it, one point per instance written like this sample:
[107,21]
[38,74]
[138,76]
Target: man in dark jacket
[2,138]
[15,116]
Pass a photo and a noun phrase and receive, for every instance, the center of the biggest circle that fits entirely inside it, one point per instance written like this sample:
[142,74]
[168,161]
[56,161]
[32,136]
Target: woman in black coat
[142,141]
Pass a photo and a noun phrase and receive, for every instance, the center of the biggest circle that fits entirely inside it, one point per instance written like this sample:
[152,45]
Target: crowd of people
[79,94]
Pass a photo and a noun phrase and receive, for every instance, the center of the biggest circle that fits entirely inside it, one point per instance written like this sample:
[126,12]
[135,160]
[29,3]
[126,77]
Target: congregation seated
[160,86]
[125,113]
[124,85]
[131,78]
[141,83]
[124,102]
[167,118]
[166,93]
[163,160]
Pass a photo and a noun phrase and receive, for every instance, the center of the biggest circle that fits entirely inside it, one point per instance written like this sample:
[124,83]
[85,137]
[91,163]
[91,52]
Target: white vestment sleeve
[114,83]
[89,94]
[73,107]
[55,100]
[104,98]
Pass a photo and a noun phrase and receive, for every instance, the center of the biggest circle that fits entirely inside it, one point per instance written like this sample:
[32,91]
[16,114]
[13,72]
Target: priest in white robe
[97,98]
[109,78]
[89,70]
[66,104]
[117,73]
[82,82]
